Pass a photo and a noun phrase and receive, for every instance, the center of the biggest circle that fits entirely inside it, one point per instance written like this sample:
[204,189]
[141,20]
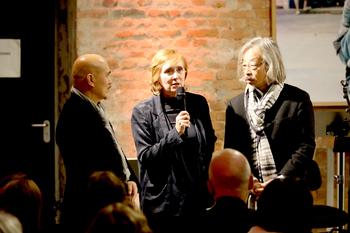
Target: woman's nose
[175,75]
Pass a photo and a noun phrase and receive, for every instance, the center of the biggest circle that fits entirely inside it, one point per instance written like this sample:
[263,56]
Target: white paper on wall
[10,58]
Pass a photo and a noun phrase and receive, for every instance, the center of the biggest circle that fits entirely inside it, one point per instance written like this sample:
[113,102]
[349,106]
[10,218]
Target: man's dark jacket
[86,145]
[289,127]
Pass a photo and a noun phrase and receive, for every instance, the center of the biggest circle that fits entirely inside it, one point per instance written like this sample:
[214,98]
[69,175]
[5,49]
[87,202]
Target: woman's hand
[182,122]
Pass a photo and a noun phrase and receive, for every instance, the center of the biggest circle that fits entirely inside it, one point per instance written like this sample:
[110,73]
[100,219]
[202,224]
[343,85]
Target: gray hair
[271,56]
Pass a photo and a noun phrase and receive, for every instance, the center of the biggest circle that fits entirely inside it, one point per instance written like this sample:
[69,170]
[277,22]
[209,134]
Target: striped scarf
[262,156]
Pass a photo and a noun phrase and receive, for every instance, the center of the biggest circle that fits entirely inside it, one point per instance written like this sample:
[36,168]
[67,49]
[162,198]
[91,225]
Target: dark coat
[164,166]
[289,127]
[86,145]
[229,214]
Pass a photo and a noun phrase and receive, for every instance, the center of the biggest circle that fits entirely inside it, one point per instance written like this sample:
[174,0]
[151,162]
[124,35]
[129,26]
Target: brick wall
[208,33]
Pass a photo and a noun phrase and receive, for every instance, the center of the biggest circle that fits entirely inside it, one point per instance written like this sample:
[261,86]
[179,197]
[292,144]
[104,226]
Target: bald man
[230,180]
[86,138]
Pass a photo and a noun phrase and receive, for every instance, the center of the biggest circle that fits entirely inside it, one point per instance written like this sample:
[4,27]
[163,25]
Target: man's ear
[210,187]
[250,182]
[90,79]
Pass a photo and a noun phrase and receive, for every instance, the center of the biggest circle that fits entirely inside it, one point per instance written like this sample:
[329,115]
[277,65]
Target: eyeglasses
[171,70]
[252,66]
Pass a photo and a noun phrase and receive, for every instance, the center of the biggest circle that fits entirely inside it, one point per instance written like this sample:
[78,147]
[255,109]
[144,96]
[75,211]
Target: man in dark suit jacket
[230,180]
[271,123]
[86,139]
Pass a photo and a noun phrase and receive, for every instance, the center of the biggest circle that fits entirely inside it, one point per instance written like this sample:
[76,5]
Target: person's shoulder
[145,104]
[291,90]
[74,102]
[195,96]
[291,87]
[198,99]
[238,99]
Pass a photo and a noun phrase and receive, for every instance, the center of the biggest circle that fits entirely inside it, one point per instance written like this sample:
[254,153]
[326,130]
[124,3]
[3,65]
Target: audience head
[263,58]
[121,218]
[167,62]
[21,196]
[90,75]
[104,188]
[229,174]
[285,205]
[9,223]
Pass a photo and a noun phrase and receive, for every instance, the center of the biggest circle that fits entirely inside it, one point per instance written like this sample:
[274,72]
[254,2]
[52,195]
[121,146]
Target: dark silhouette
[21,196]
[230,180]
[119,218]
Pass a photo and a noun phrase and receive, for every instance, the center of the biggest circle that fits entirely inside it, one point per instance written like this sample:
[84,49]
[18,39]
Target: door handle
[46,130]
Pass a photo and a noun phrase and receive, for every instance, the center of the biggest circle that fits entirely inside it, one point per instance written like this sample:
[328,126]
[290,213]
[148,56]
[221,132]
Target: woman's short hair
[159,59]
[271,56]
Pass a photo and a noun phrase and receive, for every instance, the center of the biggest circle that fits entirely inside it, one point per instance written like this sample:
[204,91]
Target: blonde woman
[174,138]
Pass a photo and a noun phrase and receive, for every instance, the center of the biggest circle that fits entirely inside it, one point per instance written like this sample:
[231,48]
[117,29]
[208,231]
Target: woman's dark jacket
[173,183]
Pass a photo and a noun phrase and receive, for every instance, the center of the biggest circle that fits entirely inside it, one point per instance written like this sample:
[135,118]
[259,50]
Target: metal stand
[341,145]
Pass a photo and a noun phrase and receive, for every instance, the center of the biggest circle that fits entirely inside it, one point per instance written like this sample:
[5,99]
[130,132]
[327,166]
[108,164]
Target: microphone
[181,95]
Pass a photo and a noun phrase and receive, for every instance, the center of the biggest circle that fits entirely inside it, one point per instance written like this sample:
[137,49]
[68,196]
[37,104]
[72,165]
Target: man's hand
[132,194]
[258,187]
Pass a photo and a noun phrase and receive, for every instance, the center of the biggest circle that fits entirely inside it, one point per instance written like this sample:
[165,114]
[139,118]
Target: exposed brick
[198,2]
[200,42]
[134,13]
[181,23]
[93,13]
[182,43]
[202,33]
[144,2]
[165,33]
[109,3]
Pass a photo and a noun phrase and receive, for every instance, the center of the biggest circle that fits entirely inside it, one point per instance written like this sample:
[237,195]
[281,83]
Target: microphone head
[180,93]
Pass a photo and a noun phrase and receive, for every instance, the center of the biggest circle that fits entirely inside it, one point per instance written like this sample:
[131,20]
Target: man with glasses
[271,122]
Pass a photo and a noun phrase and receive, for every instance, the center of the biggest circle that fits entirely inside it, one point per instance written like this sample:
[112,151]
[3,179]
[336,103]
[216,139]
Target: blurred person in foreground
[230,180]
[9,223]
[175,139]
[21,196]
[285,206]
[271,122]
[104,188]
[119,218]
